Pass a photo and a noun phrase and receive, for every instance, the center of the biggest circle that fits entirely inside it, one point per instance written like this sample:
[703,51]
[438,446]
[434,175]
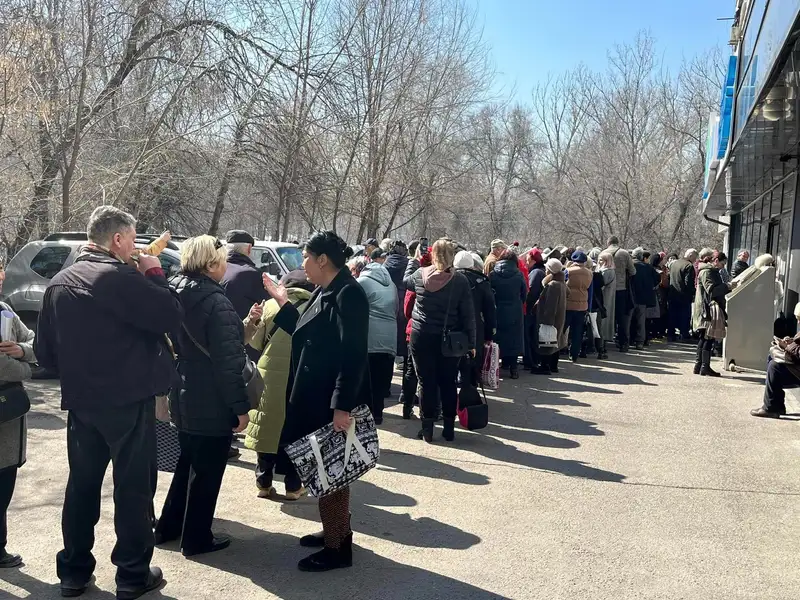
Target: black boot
[426,433]
[408,411]
[448,432]
[698,359]
[313,540]
[514,371]
[705,367]
[328,559]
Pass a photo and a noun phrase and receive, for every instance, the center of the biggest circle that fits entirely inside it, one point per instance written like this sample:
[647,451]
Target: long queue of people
[325,340]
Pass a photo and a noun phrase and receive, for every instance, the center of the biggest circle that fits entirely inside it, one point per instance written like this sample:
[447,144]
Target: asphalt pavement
[623,479]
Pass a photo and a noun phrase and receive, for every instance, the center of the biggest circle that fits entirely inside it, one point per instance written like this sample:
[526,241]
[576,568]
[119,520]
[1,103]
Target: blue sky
[530,38]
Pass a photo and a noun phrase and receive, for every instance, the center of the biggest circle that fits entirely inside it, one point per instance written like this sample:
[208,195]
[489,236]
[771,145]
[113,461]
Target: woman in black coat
[211,403]
[510,290]
[328,376]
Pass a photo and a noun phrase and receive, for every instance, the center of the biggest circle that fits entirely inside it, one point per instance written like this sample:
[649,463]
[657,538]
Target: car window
[292,257]
[169,264]
[50,260]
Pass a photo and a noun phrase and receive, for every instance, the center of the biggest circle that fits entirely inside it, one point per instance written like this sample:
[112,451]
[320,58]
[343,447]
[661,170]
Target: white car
[276,258]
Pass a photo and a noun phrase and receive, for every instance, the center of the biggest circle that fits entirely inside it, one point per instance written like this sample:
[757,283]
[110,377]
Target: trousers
[575,320]
[192,498]
[265,466]
[639,319]
[125,436]
[623,312]
[437,375]
[779,378]
[680,316]
[8,480]
[381,368]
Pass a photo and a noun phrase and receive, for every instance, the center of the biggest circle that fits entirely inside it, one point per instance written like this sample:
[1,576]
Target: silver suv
[29,273]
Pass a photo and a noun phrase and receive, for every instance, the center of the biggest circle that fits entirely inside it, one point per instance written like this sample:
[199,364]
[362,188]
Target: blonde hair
[201,253]
[443,253]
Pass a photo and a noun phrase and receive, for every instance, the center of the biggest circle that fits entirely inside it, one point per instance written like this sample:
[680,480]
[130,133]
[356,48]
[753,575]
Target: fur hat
[554,266]
[464,260]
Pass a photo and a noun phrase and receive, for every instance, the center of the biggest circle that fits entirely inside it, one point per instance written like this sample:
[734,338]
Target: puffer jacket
[263,433]
[212,392]
[396,265]
[485,310]
[579,281]
[13,433]
[382,296]
[435,292]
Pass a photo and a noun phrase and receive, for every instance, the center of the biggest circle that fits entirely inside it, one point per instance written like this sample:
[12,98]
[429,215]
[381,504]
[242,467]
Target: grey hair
[638,253]
[690,253]
[387,244]
[107,220]
[706,254]
[239,248]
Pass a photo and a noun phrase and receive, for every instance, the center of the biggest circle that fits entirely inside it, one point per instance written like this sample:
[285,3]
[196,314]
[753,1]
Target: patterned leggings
[334,511]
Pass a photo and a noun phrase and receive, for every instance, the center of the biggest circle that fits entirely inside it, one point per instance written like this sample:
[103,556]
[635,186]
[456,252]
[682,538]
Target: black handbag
[254,384]
[472,408]
[14,402]
[455,344]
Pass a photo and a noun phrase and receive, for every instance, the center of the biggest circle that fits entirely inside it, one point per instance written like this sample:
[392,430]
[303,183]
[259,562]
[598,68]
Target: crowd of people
[325,339]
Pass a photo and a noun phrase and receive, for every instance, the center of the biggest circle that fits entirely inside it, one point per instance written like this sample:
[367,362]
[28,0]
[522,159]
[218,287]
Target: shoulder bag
[254,384]
[14,401]
[455,344]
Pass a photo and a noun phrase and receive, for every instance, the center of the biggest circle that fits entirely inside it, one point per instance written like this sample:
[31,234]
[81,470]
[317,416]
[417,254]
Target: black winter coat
[212,393]
[485,311]
[102,328]
[535,278]
[739,267]
[431,308]
[244,287]
[598,284]
[682,280]
[396,265]
[644,284]
[329,356]
[510,290]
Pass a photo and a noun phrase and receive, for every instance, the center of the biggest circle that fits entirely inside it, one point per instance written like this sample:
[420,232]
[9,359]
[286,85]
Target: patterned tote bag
[327,460]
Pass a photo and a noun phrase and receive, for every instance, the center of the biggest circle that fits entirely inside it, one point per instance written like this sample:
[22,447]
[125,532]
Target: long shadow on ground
[269,561]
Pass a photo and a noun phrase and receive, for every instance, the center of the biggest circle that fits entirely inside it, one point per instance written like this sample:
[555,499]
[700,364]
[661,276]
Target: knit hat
[536,255]
[499,244]
[554,266]
[464,260]
[579,257]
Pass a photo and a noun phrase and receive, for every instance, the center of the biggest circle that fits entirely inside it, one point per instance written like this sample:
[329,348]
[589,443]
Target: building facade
[753,154]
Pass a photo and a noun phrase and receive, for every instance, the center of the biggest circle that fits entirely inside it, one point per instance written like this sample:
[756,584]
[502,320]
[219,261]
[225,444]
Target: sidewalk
[626,479]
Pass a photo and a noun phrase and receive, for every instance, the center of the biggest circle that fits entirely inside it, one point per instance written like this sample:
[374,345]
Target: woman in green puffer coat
[264,430]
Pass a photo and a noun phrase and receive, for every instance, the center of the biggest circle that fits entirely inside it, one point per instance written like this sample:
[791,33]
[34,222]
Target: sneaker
[294,495]
[154,579]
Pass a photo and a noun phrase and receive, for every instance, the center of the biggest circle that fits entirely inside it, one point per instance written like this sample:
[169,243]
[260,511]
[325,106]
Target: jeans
[437,375]
[575,320]
[381,368]
[125,436]
[623,312]
[639,320]
[192,498]
[779,378]
[8,479]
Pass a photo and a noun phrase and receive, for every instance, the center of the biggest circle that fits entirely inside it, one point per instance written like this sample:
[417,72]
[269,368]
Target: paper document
[7,326]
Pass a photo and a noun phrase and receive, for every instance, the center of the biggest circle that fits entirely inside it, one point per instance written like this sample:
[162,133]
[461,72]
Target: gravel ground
[621,480]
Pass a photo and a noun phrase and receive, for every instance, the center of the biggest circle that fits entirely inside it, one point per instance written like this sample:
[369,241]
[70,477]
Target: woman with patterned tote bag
[328,380]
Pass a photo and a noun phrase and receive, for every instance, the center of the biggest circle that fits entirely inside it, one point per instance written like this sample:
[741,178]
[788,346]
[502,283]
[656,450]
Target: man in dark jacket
[740,266]
[681,294]
[644,285]
[102,329]
[242,282]
[396,263]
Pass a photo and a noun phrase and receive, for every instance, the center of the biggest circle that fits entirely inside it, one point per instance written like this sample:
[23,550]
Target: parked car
[276,258]
[30,271]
